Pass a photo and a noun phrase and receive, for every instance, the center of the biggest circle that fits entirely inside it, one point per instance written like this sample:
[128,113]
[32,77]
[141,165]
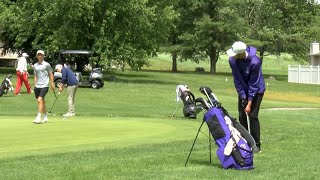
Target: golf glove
[244,102]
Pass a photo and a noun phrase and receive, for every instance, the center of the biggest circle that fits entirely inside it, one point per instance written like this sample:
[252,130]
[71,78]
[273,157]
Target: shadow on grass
[188,72]
[143,81]
[205,163]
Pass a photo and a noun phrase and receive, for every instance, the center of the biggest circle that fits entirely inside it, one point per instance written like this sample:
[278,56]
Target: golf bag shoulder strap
[191,95]
[246,135]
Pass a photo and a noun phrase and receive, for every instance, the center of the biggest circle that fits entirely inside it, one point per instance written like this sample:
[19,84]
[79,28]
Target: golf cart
[76,60]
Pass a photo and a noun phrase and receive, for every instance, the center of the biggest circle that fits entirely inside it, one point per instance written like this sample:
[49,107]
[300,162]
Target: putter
[50,111]
[248,122]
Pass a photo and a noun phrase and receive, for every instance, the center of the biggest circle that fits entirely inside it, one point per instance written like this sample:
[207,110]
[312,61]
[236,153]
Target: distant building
[315,54]
[309,74]
[8,59]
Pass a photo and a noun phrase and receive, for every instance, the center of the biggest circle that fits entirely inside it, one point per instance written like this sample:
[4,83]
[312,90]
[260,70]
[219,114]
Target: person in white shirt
[22,74]
[43,78]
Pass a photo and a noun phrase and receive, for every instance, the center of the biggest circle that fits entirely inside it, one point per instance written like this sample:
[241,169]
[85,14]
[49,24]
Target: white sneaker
[68,114]
[45,119]
[37,120]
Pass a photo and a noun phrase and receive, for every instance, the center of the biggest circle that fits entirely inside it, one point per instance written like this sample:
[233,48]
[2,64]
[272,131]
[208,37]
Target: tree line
[131,31]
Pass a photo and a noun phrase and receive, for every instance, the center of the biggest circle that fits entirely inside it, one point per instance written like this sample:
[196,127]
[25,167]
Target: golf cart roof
[84,52]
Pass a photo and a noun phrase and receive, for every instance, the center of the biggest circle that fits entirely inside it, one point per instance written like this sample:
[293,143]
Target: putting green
[20,137]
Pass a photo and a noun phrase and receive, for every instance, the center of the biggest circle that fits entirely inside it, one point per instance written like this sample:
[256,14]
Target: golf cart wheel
[1,92]
[58,82]
[95,84]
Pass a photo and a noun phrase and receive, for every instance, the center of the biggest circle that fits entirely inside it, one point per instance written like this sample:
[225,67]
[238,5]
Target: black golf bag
[6,85]
[190,109]
[189,106]
[234,142]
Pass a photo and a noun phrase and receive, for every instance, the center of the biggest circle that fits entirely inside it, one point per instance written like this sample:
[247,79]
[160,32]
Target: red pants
[22,78]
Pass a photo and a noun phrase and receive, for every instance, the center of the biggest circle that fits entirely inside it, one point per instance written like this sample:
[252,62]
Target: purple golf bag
[233,151]
[234,142]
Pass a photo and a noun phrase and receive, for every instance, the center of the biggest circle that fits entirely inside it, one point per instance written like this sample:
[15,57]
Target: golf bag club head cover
[210,95]
[204,104]
[204,89]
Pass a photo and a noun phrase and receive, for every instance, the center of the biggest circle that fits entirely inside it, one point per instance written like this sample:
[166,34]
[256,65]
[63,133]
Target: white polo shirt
[22,64]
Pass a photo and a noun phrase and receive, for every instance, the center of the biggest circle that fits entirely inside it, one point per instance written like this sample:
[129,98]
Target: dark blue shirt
[247,74]
[68,77]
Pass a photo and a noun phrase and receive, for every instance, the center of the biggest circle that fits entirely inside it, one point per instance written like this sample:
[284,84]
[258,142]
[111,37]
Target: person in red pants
[22,74]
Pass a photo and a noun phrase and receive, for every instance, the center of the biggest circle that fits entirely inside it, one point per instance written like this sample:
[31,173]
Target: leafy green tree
[126,32]
[204,29]
[278,26]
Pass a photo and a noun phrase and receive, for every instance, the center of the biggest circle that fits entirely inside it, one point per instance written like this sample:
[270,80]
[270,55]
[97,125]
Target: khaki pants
[71,94]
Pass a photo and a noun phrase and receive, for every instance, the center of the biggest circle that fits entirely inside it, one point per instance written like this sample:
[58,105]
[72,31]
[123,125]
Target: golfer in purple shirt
[250,86]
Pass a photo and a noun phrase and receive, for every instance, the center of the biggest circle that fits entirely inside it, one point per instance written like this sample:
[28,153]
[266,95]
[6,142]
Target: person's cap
[57,66]
[40,52]
[237,48]
[25,55]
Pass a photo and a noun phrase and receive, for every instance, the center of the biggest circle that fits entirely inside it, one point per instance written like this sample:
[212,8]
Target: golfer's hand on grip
[247,110]
[244,102]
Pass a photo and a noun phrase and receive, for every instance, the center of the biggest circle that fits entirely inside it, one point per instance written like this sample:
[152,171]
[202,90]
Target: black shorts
[40,92]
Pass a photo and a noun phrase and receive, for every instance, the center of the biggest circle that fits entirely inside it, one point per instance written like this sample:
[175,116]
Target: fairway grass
[150,148]
[76,133]
[125,130]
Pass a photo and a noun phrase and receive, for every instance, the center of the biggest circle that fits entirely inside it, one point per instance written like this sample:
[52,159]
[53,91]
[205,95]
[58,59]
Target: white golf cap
[40,52]
[58,66]
[237,48]
[25,55]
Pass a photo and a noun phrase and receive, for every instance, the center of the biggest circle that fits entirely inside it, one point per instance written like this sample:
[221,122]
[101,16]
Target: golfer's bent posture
[69,79]
[43,76]
[250,86]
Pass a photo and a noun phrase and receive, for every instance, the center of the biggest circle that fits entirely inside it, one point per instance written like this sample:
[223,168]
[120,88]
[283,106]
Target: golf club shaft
[248,122]
[174,112]
[54,103]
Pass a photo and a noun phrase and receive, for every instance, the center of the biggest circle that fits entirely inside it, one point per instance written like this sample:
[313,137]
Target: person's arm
[35,80]
[253,82]
[52,81]
[35,77]
[51,77]
[254,79]
[236,79]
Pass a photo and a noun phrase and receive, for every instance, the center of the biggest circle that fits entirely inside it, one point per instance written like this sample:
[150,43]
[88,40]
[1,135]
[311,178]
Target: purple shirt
[247,74]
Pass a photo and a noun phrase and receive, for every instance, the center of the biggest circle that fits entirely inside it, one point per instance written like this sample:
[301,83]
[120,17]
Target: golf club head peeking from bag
[212,98]
[204,105]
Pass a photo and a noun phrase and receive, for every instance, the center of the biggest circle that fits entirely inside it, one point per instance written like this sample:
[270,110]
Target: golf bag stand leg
[174,112]
[194,143]
[210,145]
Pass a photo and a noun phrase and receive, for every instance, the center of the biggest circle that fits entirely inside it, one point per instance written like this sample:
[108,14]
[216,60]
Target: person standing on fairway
[22,74]
[43,76]
[69,79]
[250,86]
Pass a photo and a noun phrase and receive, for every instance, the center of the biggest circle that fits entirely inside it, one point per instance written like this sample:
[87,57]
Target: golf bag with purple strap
[233,140]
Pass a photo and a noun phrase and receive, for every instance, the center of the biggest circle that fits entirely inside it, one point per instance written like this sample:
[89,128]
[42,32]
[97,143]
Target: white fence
[304,74]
